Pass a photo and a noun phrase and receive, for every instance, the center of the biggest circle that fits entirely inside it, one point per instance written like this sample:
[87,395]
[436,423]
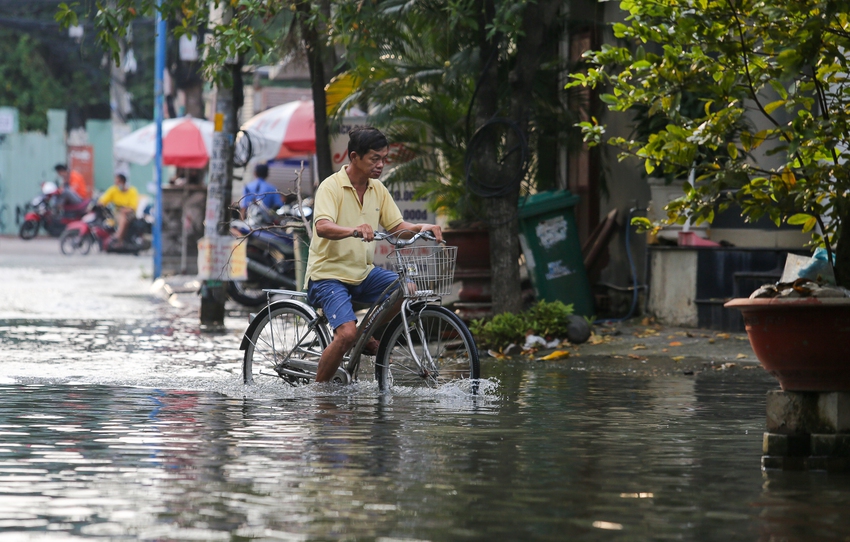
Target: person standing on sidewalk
[349,206]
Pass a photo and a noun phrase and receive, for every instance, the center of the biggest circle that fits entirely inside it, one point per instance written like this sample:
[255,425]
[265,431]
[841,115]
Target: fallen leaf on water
[635,356]
[639,347]
[723,335]
[741,356]
[743,338]
[675,343]
[678,358]
[664,349]
[557,354]
[711,341]
[728,366]
[671,336]
[497,355]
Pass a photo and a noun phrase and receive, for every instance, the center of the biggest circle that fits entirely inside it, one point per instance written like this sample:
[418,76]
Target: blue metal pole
[159,68]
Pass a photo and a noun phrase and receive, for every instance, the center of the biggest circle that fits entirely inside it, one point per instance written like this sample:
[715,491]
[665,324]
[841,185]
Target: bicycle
[423,344]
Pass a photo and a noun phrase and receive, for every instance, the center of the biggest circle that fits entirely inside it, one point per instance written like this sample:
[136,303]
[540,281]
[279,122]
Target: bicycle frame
[400,301]
[377,315]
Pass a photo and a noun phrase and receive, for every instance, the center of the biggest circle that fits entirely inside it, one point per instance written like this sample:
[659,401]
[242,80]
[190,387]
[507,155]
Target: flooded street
[120,421]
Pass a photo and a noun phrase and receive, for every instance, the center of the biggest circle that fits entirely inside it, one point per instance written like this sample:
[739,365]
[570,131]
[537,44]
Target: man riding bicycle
[349,206]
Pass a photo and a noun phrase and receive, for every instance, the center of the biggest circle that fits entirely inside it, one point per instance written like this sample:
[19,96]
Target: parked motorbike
[44,211]
[269,251]
[97,227]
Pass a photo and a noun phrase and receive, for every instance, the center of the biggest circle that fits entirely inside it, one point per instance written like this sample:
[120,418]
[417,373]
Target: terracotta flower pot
[473,247]
[803,342]
[473,263]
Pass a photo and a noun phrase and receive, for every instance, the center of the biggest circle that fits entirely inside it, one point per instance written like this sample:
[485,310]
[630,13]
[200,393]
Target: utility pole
[217,237]
[159,68]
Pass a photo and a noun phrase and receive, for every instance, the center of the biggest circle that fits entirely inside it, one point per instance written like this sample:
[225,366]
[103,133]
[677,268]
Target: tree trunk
[320,60]
[538,19]
[194,95]
[842,247]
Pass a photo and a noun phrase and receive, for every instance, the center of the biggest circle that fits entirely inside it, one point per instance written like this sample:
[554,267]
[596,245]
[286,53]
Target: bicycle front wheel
[281,342]
[441,349]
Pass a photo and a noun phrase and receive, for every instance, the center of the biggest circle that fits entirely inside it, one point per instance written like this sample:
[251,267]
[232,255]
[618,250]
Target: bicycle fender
[255,323]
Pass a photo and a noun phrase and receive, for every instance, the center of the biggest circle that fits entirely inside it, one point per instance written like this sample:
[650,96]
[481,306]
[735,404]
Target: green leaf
[733,150]
[746,141]
[642,223]
[799,218]
[777,86]
[810,224]
[773,106]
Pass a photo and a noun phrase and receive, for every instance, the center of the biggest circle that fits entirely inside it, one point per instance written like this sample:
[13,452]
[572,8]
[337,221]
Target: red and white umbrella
[282,131]
[186,142]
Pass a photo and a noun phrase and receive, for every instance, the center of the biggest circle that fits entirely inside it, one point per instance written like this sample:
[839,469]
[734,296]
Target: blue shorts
[336,297]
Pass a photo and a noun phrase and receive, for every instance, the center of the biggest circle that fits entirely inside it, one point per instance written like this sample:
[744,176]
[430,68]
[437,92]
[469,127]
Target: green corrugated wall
[27,160]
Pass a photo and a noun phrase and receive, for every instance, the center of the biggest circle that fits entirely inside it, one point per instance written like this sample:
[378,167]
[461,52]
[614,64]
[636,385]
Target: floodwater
[547,453]
[120,421]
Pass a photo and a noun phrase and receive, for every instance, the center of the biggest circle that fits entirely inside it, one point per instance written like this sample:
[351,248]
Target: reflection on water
[549,455]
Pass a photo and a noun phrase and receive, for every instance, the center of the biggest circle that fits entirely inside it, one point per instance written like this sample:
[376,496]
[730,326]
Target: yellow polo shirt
[348,260]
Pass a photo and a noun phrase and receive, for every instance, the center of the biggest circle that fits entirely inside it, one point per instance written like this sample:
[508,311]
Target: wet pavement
[100,318]
[65,317]
[120,420]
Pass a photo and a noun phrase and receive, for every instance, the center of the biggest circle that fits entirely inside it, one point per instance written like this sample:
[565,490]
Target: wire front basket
[431,269]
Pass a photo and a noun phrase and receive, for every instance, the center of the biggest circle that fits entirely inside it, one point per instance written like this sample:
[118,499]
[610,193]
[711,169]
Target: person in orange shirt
[75,180]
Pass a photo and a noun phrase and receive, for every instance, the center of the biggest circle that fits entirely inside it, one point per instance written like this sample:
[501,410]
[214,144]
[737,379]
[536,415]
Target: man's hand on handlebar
[433,230]
[363,231]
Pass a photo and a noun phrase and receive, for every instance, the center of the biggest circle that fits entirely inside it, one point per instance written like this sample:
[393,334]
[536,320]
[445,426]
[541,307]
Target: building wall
[623,188]
[27,160]
[100,138]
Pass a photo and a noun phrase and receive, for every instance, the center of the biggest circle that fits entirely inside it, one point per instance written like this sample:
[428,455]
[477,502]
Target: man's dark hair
[363,140]
[60,167]
[261,171]
[122,177]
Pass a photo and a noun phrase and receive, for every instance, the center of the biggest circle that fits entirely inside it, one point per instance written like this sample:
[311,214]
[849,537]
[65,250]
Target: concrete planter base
[807,431]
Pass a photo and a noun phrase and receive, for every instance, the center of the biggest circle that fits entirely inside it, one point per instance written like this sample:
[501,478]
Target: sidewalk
[644,346]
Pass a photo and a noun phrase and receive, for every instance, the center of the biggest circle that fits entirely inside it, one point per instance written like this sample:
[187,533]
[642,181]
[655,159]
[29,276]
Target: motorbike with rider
[265,227]
[130,233]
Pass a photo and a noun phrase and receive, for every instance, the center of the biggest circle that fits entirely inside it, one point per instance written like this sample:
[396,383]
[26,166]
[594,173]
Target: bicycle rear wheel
[443,350]
[279,341]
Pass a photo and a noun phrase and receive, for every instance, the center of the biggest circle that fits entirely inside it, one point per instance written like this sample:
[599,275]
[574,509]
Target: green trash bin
[549,240]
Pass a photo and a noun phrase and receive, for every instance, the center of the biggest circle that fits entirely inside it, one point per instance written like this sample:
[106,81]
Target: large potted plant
[779,67]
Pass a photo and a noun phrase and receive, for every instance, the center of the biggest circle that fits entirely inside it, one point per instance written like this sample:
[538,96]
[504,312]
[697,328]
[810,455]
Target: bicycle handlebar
[395,240]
